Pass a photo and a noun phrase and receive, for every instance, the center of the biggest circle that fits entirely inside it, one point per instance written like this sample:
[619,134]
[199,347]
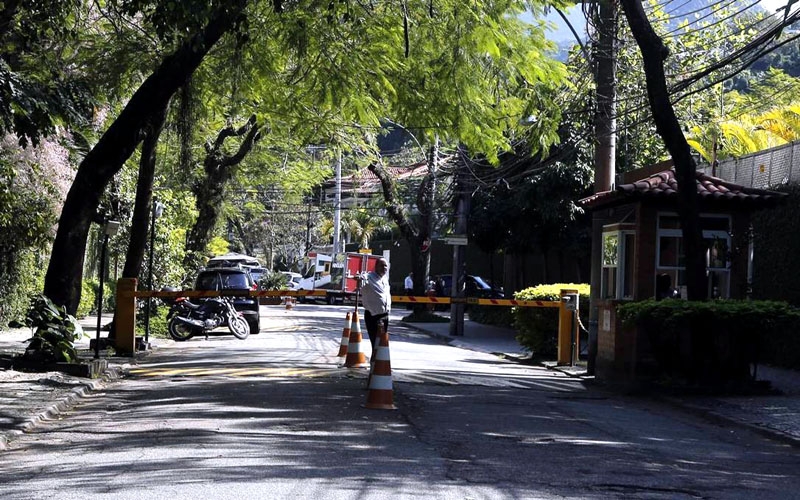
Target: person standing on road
[408,284]
[376,299]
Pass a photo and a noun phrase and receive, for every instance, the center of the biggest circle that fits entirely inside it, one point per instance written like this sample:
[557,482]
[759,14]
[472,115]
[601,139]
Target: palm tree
[748,133]
[361,224]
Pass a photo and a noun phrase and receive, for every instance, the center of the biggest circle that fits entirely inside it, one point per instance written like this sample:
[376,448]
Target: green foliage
[54,332]
[363,223]
[273,280]
[158,322]
[88,303]
[26,219]
[538,212]
[23,275]
[748,133]
[553,292]
[537,327]
[38,96]
[90,290]
[217,246]
[491,315]
[714,342]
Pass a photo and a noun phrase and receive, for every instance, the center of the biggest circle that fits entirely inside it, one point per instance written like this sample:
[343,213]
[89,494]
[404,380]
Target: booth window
[670,260]
[618,256]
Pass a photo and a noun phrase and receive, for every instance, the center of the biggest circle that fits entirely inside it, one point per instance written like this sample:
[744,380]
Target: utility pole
[337,205]
[434,164]
[605,123]
[459,252]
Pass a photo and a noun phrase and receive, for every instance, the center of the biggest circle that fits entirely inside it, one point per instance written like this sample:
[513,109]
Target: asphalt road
[275,416]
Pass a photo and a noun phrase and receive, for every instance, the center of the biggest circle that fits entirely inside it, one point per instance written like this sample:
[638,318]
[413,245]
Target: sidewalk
[28,398]
[776,416]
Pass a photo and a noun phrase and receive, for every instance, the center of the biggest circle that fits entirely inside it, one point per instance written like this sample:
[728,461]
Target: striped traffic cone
[345,336]
[380,396]
[355,347]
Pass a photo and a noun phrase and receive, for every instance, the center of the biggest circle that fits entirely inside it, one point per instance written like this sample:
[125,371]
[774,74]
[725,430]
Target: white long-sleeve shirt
[375,294]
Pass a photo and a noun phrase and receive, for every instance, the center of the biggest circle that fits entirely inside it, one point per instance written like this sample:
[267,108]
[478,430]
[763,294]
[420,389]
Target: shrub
[90,288]
[715,342]
[158,321]
[22,278]
[491,315]
[88,303]
[537,327]
[54,332]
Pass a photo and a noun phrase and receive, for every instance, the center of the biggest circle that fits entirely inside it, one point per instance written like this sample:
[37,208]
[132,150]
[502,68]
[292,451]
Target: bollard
[567,327]
[125,320]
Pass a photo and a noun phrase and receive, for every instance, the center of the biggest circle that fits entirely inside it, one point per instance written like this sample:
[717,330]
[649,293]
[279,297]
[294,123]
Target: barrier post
[566,327]
[125,319]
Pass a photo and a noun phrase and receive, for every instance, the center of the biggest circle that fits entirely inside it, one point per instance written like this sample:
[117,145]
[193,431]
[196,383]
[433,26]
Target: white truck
[337,276]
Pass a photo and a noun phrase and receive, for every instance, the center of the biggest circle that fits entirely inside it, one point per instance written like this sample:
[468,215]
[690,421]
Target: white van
[293,280]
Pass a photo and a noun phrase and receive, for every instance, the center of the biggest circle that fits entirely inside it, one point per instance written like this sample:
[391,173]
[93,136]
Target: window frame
[707,234]
[620,231]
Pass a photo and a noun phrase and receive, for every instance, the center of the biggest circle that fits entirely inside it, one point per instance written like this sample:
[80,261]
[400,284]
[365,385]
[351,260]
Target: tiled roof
[663,185]
[365,181]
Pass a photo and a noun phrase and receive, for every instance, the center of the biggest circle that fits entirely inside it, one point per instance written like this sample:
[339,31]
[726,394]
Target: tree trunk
[246,247]
[144,197]
[210,193]
[414,234]
[65,271]
[654,53]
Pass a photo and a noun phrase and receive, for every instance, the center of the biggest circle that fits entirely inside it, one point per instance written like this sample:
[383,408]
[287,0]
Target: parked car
[233,278]
[233,260]
[293,280]
[474,286]
[257,273]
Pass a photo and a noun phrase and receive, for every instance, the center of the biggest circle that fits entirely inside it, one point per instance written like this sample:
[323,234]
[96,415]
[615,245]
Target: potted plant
[52,346]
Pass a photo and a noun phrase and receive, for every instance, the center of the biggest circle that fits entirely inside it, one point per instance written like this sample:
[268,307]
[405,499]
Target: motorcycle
[186,319]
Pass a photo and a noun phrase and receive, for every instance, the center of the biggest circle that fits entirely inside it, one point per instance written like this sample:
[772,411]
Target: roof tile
[665,185]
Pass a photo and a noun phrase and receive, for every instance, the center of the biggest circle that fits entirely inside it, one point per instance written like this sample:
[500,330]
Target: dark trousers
[372,326]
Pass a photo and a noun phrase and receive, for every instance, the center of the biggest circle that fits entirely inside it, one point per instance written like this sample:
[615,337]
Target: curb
[67,401]
[464,345]
[718,418]
[439,336]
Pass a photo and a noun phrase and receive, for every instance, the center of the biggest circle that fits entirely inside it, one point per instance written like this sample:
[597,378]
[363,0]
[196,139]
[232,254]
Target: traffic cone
[355,347]
[348,321]
[380,396]
[288,303]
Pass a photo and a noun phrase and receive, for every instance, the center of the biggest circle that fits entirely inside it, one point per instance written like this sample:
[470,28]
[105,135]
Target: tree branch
[407,228]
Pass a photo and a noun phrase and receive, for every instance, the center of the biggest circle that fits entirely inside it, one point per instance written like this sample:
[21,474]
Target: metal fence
[763,170]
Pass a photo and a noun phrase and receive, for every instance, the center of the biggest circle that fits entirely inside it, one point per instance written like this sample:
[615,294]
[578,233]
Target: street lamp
[158,210]
[110,229]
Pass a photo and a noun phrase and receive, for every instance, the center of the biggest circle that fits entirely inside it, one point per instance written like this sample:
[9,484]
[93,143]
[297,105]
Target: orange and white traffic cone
[380,396]
[355,346]
[348,321]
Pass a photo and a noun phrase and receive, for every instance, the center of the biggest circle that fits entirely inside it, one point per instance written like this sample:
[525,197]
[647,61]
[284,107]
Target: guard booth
[642,252]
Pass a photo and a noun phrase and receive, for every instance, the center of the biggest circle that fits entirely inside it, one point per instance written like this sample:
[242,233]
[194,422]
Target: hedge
[537,327]
[491,315]
[715,342]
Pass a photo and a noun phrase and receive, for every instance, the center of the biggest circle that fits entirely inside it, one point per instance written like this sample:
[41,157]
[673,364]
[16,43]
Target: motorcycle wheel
[179,331]
[239,327]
